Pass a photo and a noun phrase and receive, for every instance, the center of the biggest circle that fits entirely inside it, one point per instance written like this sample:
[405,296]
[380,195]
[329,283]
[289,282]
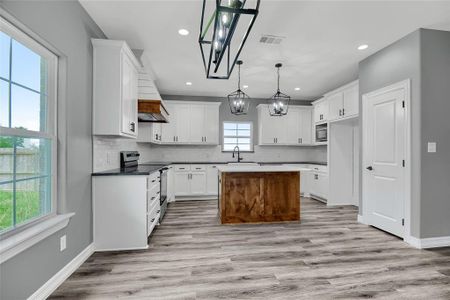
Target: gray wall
[424,57]
[435,111]
[395,63]
[68,28]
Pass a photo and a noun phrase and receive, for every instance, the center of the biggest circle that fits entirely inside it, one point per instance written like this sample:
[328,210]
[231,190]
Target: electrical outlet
[432,147]
[108,158]
[62,243]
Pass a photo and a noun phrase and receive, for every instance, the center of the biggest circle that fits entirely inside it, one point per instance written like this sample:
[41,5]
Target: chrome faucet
[239,158]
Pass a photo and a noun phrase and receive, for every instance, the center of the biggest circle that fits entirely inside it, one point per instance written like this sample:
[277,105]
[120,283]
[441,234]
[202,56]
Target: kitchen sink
[243,164]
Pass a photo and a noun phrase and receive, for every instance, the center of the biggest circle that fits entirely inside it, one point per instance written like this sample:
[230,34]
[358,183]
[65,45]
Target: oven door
[163,193]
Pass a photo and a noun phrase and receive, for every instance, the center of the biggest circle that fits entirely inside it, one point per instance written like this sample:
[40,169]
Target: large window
[27,130]
[237,134]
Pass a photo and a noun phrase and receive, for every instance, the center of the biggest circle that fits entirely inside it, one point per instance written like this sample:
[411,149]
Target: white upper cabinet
[343,102]
[305,127]
[335,105]
[195,123]
[115,80]
[321,110]
[351,101]
[295,128]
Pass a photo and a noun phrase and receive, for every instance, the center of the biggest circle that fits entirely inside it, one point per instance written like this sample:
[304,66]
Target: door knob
[369,168]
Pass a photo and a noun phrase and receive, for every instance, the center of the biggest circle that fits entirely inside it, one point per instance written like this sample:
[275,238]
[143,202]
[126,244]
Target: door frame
[406,85]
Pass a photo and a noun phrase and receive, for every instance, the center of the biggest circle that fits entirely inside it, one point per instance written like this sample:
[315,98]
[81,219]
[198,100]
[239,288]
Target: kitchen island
[256,194]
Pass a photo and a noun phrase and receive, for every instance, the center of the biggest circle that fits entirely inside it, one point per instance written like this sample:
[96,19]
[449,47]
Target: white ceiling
[318,54]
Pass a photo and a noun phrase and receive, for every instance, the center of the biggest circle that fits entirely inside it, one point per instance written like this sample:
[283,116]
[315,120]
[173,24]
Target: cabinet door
[305,127]
[290,128]
[197,123]
[304,182]
[266,126]
[351,101]
[182,183]
[278,191]
[317,112]
[129,96]
[145,132]
[168,130]
[212,180]
[156,132]
[198,183]
[183,121]
[336,105]
[211,128]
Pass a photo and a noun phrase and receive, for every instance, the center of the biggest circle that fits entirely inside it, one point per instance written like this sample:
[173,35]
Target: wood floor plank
[326,256]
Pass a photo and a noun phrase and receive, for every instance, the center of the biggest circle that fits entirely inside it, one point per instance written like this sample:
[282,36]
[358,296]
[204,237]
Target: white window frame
[229,136]
[27,232]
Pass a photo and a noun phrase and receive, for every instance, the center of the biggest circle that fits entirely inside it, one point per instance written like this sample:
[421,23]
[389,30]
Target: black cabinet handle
[370,168]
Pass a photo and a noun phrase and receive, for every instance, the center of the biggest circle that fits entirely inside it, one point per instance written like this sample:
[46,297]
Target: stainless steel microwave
[321,133]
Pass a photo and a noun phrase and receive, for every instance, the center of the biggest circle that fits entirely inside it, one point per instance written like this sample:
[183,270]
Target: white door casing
[385,147]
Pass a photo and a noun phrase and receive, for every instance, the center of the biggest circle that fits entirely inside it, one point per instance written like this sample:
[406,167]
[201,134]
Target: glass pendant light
[279,102]
[238,100]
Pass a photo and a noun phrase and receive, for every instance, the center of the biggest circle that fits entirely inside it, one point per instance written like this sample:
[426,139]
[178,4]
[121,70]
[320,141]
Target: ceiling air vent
[271,39]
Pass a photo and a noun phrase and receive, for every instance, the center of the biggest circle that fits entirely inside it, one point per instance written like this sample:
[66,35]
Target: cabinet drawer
[182,168]
[152,203]
[319,168]
[153,180]
[198,168]
[151,200]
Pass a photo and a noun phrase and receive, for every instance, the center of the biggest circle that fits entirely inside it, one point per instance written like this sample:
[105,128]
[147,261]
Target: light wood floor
[328,256]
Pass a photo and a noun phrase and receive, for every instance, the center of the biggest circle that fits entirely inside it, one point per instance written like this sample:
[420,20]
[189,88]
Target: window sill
[23,240]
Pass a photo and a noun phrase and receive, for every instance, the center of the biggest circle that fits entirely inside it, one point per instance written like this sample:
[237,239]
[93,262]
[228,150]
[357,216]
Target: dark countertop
[225,162]
[151,167]
[140,170]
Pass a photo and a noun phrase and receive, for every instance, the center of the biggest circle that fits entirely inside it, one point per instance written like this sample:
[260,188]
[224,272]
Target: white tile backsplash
[107,151]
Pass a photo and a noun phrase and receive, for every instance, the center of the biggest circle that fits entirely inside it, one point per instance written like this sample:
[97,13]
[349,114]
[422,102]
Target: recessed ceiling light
[183,31]
[245,86]
[297,89]
[363,47]
[188,83]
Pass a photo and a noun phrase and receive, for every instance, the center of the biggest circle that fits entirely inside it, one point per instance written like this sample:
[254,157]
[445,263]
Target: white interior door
[384,151]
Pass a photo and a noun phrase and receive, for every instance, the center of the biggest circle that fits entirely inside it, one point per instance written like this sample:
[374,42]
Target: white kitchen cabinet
[291,129]
[319,185]
[320,110]
[125,211]
[115,92]
[343,102]
[305,127]
[198,183]
[195,180]
[193,123]
[182,183]
[149,132]
[335,105]
[351,101]
[212,180]
[211,128]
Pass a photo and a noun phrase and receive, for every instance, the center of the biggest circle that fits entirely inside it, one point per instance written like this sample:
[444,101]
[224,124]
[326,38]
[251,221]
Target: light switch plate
[62,243]
[431,147]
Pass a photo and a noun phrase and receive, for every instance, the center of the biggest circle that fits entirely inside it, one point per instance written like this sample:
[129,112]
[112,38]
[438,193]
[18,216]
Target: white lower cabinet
[126,210]
[195,180]
[212,180]
[198,183]
[319,185]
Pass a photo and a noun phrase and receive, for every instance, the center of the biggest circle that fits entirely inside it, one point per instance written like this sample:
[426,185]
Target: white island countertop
[251,168]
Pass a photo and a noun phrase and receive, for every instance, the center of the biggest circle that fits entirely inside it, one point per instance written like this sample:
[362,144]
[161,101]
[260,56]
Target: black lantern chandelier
[217,42]
[279,102]
[238,100]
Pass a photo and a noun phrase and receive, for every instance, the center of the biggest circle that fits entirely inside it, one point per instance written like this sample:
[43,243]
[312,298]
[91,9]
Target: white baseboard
[53,283]
[361,219]
[426,243]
